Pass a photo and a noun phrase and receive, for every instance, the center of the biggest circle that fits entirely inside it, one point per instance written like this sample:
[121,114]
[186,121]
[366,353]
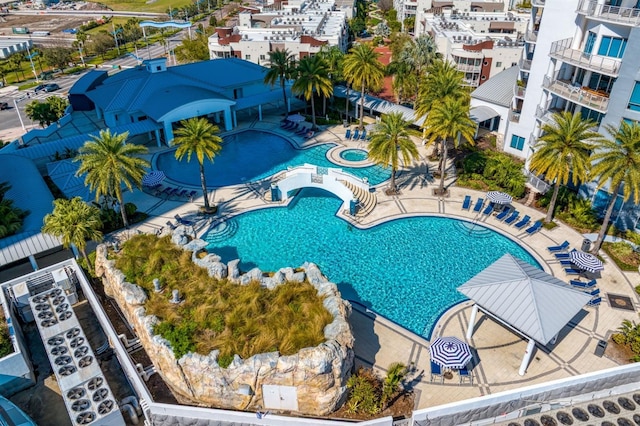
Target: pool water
[354,154]
[407,269]
[252,155]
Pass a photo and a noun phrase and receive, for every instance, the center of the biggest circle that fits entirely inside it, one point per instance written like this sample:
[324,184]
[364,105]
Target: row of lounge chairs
[507,215]
[561,253]
[297,129]
[356,135]
[170,192]
[463,373]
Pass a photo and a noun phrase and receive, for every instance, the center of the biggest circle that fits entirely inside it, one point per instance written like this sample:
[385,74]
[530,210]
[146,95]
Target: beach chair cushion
[512,218]
[523,222]
[466,204]
[478,205]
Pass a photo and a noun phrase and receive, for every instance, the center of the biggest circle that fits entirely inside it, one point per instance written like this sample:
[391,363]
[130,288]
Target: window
[247,57]
[634,102]
[498,64]
[612,46]
[263,57]
[517,142]
[591,40]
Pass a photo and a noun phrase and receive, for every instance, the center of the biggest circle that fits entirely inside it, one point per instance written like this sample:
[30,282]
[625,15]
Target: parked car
[4,105]
[39,88]
[51,87]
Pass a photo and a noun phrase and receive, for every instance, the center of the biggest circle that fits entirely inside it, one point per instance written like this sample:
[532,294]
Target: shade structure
[450,352]
[586,261]
[296,118]
[153,178]
[499,197]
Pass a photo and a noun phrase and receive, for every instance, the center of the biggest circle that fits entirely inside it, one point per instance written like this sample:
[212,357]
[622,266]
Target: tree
[334,58]
[442,80]
[46,112]
[15,60]
[363,69]
[391,144]
[11,217]
[617,163]
[200,138]
[396,373]
[58,57]
[563,151]
[74,222]
[385,5]
[195,49]
[449,119]
[282,67]
[110,162]
[131,31]
[101,43]
[313,77]
[409,23]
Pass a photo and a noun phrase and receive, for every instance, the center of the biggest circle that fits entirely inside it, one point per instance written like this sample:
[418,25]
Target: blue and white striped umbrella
[153,178]
[499,197]
[585,261]
[450,352]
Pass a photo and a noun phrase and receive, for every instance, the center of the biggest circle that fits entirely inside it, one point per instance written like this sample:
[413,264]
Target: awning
[509,25]
[482,113]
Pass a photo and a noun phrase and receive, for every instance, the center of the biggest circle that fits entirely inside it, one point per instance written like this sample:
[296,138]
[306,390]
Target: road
[97,13]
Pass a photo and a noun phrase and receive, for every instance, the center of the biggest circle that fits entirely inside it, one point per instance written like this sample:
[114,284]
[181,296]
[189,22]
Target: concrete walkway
[380,342]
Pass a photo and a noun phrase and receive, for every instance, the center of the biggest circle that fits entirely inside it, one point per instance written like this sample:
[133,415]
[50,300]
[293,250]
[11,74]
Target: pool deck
[379,342]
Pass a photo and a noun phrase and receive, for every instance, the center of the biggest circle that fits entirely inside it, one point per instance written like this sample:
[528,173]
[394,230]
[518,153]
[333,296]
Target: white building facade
[580,56]
[301,27]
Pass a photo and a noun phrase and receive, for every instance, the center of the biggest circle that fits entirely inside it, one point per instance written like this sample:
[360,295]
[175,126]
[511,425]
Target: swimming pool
[354,154]
[252,155]
[407,269]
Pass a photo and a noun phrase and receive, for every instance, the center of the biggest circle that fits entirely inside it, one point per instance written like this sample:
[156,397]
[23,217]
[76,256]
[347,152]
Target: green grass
[6,346]
[218,314]
[158,6]
[623,255]
[108,26]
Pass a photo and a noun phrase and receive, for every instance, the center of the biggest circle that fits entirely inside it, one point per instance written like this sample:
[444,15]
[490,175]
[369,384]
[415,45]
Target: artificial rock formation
[318,374]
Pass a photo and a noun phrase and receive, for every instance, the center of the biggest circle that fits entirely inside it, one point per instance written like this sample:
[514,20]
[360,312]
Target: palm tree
[74,222]
[110,162]
[334,57]
[391,143]
[418,54]
[563,151]
[396,373]
[11,217]
[200,138]
[442,80]
[363,69]
[313,76]
[617,162]
[449,119]
[282,65]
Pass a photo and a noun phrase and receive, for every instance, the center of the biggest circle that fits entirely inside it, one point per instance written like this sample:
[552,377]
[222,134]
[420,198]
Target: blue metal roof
[174,97]
[88,82]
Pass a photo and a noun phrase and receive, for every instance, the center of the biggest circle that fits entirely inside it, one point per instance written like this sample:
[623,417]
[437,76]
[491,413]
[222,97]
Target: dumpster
[586,245]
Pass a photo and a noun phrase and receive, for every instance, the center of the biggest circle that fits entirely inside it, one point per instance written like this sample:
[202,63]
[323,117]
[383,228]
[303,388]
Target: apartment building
[301,27]
[580,56]
[480,44]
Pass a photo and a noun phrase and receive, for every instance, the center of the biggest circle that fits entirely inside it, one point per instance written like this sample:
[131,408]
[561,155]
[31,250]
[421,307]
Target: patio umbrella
[450,352]
[586,261]
[499,197]
[153,178]
[296,118]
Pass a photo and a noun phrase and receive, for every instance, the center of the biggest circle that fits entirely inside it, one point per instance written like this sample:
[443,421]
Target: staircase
[367,200]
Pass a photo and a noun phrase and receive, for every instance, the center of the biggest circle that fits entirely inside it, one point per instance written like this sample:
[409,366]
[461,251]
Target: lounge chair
[347,134]
[157,190]
[182,193]
[562,255]
[192,194]
[580,284]
[171,225]
[167,191]
[478,205]
[523,222]
[286,123]
[436,372]
[488,210]
[566,262]
[571,271]
[466,204]
[309,134]
[562,247]
[534,228]
[504,213]
[182,221]
[595,301]
[173,192]
[294,127]
[363,135]
[302,130]
[594,292]
[465,374]
[512,218]
[356,135]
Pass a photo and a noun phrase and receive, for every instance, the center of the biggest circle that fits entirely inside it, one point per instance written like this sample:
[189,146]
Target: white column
[157,131]
[472,321]
[259,112]
[527,357]
[228,124]
[168,133]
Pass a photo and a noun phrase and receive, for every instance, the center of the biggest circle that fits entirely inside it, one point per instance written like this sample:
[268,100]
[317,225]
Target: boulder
[233,272]
[217,270]
[133,294]
[298,277]
[195,245]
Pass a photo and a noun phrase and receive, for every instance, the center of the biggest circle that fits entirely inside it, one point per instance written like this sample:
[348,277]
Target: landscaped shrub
[491,170]
[218,314]
[6,346]
[629,336]
[623,255]
[573,210]
[369,394]
[11,217]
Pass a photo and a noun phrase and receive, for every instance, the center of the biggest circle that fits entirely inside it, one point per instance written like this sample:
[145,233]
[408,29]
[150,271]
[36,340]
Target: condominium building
[302,27]
[579,56]
[480,44]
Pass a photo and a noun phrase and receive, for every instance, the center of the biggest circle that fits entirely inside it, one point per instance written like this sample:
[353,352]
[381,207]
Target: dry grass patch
[218,314]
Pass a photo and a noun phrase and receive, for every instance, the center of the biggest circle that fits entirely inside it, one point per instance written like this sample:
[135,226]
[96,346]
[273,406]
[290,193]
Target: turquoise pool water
[252,155]
[406,269]
[354,154]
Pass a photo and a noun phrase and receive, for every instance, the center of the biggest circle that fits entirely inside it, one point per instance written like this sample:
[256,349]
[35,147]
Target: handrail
[617,14]
[576,94]
[562,49]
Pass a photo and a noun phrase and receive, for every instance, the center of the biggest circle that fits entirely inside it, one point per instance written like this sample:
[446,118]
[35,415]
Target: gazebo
[526,299]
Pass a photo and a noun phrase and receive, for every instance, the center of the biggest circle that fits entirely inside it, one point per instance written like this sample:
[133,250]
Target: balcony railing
[519,91]
[538,3]
[514,116]
[469,68]
[539,184]
[576,94]
[524,64]
[543,114]
[531,36]
[617,14]
[562,50]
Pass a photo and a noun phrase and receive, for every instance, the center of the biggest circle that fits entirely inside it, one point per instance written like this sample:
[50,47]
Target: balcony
[616,14]
[538,3]
[519,91]
[531,36]
[514,116]
[525,65]
[469,68]
[562,50]
[578,95]
[543,114]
